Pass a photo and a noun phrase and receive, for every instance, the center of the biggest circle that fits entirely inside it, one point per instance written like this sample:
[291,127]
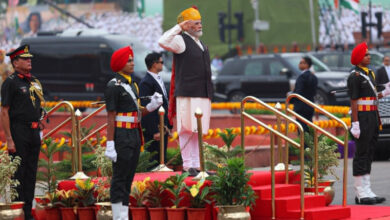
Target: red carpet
[361,212]
[287,200]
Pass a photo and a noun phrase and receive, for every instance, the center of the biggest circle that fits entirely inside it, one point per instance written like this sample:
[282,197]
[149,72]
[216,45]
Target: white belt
[367,102]
[130,119]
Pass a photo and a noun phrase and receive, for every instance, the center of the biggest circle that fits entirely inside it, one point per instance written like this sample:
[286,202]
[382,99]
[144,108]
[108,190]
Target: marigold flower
[62,141]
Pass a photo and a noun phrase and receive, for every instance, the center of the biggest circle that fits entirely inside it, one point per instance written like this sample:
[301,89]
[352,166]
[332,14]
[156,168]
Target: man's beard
[196,33]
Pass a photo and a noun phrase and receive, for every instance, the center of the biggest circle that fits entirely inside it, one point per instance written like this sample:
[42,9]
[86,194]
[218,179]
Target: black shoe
[365,201]
[210,173]
[191,172]
[379,199]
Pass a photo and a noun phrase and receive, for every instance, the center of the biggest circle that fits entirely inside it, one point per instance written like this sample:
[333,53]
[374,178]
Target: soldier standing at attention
[365,122]
[21,96]
[124,132]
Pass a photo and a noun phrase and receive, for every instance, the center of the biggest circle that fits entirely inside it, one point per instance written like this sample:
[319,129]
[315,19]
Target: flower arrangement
[8,165]
[139,192]
[198,194]
[175,185]
[84,192]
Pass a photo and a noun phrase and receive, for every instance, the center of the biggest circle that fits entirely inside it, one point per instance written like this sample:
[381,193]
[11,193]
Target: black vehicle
[75,65]
[269,77]
[382,149]
[384,51]
[341,61]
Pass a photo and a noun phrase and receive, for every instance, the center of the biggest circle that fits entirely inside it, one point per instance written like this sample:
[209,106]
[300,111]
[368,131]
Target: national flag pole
[312,22]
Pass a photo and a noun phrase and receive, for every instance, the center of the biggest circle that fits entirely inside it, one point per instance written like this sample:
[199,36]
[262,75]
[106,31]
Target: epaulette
[355,72]
[112,82]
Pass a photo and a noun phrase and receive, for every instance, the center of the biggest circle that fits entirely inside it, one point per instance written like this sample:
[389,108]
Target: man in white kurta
[192,83]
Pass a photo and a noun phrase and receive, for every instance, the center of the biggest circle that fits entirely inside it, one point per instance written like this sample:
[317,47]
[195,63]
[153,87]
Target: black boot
[365,201]
[191,172]
[379,199]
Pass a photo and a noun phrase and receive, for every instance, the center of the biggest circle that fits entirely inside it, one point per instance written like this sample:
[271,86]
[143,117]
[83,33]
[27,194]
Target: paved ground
[380,181]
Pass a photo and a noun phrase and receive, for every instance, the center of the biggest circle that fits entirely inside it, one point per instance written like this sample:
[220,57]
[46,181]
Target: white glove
[110,151]
[387,85]
[355,130]
[155,102]
[386,92]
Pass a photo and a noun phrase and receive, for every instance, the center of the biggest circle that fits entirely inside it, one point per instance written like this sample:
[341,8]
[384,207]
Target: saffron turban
[189,14]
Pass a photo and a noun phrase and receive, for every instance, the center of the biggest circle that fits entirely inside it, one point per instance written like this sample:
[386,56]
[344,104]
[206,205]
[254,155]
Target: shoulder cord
[36,88]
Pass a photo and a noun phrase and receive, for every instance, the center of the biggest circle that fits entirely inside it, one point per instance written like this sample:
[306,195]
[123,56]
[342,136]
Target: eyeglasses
[367,54]
[162,62]
[130,60]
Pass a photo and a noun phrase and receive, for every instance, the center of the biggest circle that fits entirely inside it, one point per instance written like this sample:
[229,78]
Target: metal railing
[72,119]
[76,140]
[326,133]
[274,132]
[93,133]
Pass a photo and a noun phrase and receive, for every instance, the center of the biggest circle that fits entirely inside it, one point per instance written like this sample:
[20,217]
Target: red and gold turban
[120,57]
[358,53]
[189,14]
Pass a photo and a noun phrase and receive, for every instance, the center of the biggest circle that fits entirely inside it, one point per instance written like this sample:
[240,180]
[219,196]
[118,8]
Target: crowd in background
[336,29]
[338,26]
[149,29]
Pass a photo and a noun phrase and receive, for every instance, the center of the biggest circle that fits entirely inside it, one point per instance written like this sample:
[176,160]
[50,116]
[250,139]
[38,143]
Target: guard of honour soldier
[365,122]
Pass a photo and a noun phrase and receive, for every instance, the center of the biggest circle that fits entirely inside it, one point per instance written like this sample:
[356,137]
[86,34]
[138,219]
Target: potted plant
[47,176]
[9,209]
[86,199]
[52,205]
[138,199]
[154,200]
[68,201]
[176,185]
[144,161]
[327,162]
[173,158]
[230,189]
[198,194]
[102,188]
[216,156]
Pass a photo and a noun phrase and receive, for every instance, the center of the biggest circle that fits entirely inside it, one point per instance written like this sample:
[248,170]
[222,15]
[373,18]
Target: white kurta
[172,41]
[185,114]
